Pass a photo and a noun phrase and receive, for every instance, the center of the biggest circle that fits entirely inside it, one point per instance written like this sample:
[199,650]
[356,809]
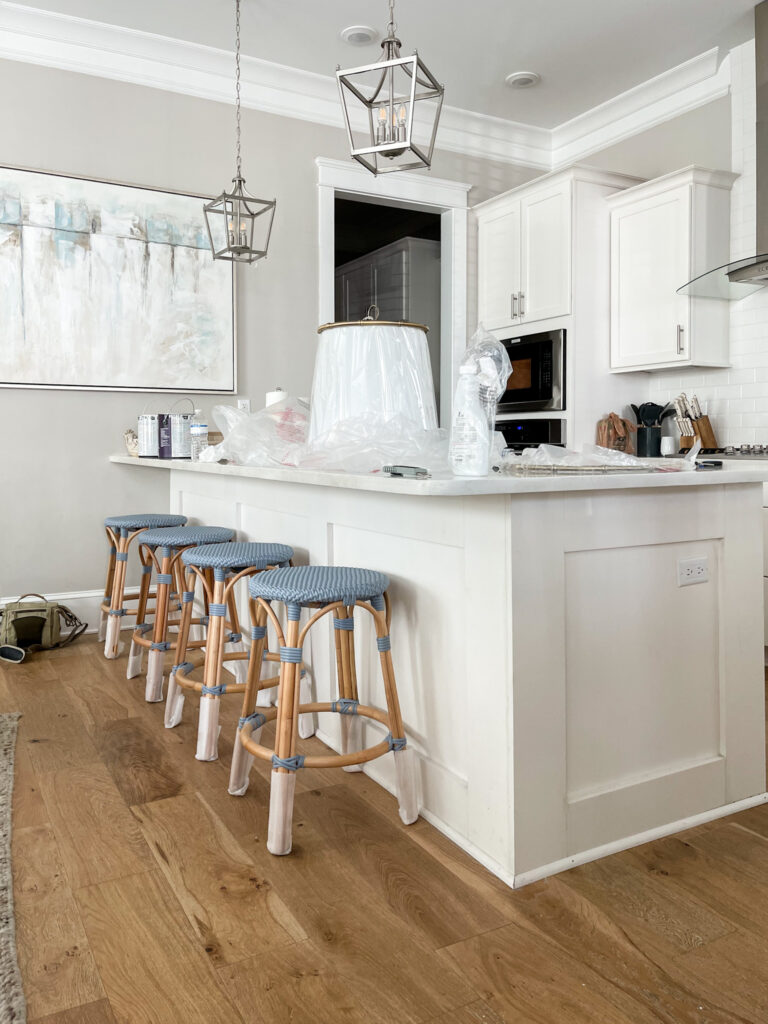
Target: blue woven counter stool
[121,531]
[339,591]
[229,563]
[161,550]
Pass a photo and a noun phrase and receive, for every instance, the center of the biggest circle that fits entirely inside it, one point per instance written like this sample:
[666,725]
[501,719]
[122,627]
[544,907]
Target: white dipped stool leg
[112,645]
[407,789]
[153,690]
[242,762]
[208,728]
[174,703]
[279,831]
[351,739]
[102,634]
[135,659]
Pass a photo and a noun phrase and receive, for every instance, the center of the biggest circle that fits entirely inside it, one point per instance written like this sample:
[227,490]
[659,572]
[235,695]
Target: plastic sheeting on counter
[277,436]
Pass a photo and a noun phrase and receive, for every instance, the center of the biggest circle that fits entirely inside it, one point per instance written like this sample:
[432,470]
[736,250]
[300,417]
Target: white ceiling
[586,51]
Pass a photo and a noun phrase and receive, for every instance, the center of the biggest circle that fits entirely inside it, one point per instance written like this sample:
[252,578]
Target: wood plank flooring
[145,894]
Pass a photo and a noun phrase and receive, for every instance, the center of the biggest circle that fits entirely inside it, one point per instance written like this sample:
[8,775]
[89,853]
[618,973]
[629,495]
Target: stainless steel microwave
[537,380]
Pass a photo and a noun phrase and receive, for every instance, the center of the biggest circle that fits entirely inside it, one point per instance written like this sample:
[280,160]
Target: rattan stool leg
[174,700]
[283,781]
[112,646]
[405,774]
[242,760]
[239,669]
[153,690]
[208,723]
[136,654]
[350,725]
[107,587]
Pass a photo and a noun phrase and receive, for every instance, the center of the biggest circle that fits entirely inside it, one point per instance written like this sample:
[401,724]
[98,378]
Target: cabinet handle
[512,309]
[522,303]
[680,344]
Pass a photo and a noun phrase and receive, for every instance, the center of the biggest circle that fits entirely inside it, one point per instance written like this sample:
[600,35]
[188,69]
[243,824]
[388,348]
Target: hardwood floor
[145,894]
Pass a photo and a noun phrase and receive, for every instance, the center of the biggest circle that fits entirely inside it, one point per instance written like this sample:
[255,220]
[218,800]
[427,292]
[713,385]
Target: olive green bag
[36,625]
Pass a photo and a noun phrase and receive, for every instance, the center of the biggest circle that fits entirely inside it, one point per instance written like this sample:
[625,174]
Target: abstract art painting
[106,286]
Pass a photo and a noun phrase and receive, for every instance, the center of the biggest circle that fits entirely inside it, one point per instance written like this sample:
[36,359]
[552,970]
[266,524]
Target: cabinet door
[546,253]
[389,285]
[358,293]
[498,267]
[650,260]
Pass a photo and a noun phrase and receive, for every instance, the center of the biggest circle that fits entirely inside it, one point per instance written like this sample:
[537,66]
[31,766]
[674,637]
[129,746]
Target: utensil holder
[649,442]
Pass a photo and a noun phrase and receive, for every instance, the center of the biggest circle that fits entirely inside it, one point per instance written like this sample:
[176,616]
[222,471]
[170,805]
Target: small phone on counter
[413,472]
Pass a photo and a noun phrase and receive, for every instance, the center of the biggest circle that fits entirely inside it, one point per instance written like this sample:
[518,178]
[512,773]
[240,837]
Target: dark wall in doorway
[363,227]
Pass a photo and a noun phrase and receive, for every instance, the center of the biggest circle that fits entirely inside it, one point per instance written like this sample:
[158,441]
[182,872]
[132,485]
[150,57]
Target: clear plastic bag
[493,367]
[277,436]
[274,436]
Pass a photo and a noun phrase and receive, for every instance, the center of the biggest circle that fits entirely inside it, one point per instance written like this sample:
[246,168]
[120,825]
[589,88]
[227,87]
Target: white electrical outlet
[692,570]
[244,404]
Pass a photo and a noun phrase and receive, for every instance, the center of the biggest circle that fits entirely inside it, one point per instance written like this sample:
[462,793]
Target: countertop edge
[453,486]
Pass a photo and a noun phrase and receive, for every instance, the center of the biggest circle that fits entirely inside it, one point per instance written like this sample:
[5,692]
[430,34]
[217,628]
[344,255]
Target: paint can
[164,434]
[149,436]
[181,435]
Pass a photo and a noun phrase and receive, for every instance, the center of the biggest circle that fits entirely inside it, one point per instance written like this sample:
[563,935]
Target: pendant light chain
[391,27]
[237,85]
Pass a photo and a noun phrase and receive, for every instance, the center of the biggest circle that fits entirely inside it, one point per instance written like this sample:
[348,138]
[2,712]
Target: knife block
[704,430]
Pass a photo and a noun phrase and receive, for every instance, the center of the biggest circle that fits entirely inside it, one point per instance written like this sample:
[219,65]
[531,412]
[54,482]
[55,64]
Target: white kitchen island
[566,697]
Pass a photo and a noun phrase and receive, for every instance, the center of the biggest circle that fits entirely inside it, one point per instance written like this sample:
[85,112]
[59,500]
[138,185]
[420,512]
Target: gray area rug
[13,1008]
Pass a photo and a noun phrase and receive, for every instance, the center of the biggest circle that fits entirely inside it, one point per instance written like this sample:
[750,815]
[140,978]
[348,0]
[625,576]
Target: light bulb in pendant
[381,127]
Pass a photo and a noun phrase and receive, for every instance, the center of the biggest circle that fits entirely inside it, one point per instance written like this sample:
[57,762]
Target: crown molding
[88,47]
[675,92]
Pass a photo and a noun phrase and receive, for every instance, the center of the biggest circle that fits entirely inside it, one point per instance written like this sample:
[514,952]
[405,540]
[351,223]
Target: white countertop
[451,486]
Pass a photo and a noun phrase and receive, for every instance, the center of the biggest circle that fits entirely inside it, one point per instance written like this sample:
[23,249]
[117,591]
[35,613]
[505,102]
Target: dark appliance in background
[521,434]
[537,380]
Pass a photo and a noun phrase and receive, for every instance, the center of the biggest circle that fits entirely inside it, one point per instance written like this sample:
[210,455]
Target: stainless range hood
[735,280]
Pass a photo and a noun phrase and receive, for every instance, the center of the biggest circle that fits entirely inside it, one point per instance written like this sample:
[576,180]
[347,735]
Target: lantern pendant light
[396,103]
[239,225]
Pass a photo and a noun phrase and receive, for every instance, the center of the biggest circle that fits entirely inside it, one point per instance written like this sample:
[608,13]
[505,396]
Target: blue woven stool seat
[141,522]
[183,536]
[239,555]
[308,584]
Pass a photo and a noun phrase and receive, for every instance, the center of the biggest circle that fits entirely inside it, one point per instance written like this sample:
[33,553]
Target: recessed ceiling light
[522,79]
[359,35]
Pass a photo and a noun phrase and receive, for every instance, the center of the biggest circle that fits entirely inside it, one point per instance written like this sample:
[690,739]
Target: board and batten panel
[642,708]
[586,685]
[421,575]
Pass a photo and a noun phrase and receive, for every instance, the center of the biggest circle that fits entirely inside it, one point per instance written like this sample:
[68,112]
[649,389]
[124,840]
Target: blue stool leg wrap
[396,742]
[216,691]
[345,706]
[257,718]
[291,763]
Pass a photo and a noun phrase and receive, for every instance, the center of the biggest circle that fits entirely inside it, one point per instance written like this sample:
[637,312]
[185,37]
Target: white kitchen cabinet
[546,253]
[664,233]
[524,256]
[498,266]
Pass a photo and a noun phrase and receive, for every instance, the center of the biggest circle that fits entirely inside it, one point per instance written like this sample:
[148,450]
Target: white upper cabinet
[498,266]
[524,256]
[663,234]
[546,253]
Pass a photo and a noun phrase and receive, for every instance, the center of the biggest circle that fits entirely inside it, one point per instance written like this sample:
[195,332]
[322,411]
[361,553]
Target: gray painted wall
[702,136]
[55,444]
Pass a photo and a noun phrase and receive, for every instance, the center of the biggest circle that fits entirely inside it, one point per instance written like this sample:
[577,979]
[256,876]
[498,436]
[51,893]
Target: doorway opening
[388,257]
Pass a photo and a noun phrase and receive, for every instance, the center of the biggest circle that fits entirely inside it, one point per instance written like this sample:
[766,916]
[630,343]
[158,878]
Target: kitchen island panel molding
[525,756]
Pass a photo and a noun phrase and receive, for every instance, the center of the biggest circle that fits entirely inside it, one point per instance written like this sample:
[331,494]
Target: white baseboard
[86,604]
[517,881]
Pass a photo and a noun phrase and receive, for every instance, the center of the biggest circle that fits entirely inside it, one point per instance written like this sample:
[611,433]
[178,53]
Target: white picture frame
[109,286]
